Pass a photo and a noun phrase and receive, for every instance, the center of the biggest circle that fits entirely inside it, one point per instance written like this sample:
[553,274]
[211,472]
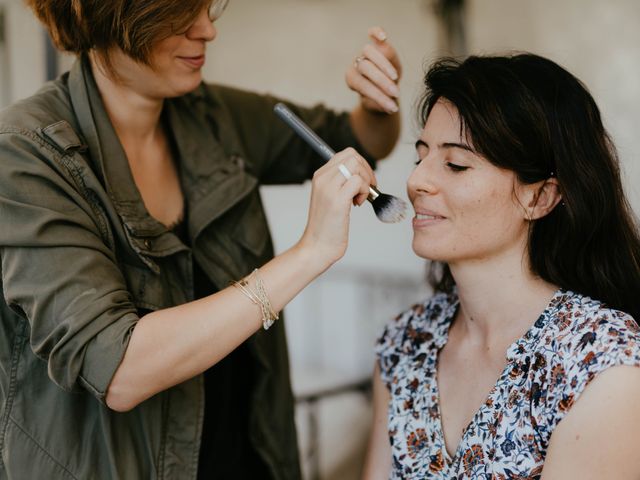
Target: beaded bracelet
[258,297]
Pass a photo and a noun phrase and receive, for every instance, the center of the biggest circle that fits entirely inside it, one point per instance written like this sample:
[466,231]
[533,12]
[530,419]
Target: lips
[195,61]
[424,218]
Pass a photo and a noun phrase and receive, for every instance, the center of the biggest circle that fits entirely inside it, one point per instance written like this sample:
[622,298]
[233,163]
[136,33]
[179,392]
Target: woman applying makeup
[129,197]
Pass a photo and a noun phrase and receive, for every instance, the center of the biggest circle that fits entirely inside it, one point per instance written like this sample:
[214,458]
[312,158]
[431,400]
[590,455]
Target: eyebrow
[463,146]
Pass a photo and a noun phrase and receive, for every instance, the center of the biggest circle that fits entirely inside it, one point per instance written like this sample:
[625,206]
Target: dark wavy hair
[527,114]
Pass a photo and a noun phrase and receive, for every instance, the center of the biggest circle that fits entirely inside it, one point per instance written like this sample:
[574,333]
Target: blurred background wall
[300,49]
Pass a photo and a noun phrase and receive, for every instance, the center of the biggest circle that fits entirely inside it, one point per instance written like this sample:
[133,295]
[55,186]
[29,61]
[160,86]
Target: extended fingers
[371,92]
[375,73]
[378,70]
[377,33]
[379,38]
[377,58]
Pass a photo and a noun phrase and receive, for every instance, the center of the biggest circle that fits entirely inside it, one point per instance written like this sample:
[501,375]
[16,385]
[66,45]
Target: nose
[421,180]
[202,28]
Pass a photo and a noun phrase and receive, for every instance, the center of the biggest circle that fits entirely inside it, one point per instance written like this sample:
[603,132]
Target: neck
[499,297]
[134,115]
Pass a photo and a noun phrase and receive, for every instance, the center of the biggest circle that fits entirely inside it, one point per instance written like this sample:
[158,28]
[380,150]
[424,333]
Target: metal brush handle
[312,139]
[304,131]
[373,193]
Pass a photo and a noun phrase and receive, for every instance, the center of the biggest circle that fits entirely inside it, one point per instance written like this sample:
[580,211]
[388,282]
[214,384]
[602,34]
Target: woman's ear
[543,198]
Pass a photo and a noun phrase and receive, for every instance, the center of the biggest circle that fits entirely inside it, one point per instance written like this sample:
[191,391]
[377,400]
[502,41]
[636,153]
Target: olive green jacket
[82,260]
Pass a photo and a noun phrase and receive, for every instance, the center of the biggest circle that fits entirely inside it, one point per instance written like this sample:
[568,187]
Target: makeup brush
[388,208]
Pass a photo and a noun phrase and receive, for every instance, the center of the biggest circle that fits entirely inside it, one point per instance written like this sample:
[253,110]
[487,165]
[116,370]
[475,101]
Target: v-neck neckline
[529,338]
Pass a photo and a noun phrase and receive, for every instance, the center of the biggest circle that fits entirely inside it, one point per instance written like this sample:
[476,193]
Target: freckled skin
[482,215]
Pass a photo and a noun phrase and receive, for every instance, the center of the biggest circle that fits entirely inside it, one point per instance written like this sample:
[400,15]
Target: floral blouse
[547,369]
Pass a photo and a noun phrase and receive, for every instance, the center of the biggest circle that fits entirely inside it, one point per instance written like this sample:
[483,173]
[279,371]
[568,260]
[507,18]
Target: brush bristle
[389,209]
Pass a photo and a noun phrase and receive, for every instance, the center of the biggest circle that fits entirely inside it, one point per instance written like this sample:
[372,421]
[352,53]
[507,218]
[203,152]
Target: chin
[424,252]
[186,86]
[433,252]
[189,88]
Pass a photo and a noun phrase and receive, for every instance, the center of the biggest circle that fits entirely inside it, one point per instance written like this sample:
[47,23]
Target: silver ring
[358,59]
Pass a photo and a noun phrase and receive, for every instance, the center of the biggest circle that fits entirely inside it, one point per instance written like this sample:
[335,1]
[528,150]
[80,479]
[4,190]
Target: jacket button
[147,244]
[238,160]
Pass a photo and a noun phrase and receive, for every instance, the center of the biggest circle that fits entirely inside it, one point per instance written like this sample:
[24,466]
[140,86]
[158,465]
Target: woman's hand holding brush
[388,208]
[332,196]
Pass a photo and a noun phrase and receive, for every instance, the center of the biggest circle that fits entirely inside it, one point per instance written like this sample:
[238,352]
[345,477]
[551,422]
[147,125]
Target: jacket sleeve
[277,154]
[57,270]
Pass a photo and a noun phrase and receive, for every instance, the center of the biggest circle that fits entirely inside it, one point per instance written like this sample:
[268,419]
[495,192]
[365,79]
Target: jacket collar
[211,157]
[212,173]
[106,152]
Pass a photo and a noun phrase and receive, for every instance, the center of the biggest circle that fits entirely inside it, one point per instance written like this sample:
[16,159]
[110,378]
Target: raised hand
[375,74]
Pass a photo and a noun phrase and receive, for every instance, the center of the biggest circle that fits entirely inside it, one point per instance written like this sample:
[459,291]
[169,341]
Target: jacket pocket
[252,230]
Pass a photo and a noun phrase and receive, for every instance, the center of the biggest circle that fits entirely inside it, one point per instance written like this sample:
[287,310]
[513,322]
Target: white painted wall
[598,41]
[23,52]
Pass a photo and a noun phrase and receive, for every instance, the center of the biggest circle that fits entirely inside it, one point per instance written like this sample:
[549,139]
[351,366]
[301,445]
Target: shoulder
[588,331]
[249,114]
[426,321]
[583,338]
[579,443]
[414,334]
[40,126]
[48,105]
[35,134]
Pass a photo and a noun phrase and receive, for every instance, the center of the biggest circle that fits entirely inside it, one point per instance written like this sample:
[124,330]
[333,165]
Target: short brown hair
[77,26]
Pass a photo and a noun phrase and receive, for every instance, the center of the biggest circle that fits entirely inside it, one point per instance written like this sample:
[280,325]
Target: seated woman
[520,365]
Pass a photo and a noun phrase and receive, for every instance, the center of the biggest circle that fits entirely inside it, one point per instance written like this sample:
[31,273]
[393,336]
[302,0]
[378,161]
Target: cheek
[163,56]
[491,214]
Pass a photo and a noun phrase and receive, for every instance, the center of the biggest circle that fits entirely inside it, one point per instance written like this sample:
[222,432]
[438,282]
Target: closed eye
[422,150]
[456,168]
